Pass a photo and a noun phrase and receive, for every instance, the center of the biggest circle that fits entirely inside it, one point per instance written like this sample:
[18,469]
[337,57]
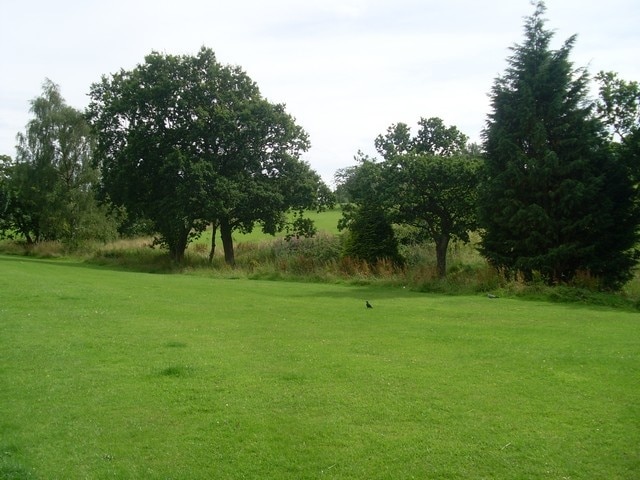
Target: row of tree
[185,142]
[428,182]
[182,142]
[176,144]
[554,191]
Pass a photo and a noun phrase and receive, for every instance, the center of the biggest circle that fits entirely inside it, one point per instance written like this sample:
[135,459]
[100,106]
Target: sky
[346,69]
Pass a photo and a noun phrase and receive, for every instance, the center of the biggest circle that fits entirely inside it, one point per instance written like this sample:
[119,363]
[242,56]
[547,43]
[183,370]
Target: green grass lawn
[107,374]
[326,222]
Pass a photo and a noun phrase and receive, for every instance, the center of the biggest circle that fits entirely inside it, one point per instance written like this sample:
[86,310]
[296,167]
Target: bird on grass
[368,304]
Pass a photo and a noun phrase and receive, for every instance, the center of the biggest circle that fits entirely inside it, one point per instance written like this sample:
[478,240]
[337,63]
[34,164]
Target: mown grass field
[111,374]
[326,222]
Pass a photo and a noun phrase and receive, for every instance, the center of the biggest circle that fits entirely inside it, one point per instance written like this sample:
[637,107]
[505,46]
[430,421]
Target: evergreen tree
[371,236]
[554,199]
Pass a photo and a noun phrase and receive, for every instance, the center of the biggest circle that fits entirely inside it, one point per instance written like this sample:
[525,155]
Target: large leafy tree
[427,182]
[258,175]
[554,199]
[618,107]
[436,195]
[49,188]
[186,141]
[432,184]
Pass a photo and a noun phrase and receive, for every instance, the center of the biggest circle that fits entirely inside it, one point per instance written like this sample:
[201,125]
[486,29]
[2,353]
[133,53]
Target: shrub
[371,237]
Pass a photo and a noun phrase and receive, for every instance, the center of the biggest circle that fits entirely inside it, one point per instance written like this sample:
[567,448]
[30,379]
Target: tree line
[173,146]
[183,142]
[552,190]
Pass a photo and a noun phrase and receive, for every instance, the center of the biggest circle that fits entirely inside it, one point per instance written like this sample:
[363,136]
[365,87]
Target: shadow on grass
[341,290]
[75,263]
[174,344]
[175,371]
[11,468]
[568,296]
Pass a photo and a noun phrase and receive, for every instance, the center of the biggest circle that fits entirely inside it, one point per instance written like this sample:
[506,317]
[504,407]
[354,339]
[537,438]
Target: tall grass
[321,259]
[326,222]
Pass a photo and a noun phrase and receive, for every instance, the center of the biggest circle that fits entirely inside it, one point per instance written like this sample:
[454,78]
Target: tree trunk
[214,231]
[179,245]
[442,244]
[176,254]
[227,241]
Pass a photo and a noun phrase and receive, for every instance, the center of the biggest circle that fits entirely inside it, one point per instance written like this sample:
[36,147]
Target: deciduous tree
[5,194]
[436,195]
[51,183]
[186,141]
[618,104]
[428,182]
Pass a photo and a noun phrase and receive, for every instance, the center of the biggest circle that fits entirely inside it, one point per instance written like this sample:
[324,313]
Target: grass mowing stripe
[115,374]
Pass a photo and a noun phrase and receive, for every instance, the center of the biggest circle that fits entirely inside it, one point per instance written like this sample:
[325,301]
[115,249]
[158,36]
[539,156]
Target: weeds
[321,259]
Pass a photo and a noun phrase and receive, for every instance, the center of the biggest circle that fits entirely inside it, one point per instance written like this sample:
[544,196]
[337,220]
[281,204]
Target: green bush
[371,237]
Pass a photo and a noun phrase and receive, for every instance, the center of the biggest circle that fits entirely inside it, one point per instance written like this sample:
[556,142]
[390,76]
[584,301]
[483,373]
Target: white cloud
[347,69]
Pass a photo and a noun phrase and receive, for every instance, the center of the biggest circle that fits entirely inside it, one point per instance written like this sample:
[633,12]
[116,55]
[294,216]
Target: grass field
[326,222]
[107,374]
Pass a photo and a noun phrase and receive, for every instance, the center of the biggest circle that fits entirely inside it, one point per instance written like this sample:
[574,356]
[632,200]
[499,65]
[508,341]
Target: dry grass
[320,259]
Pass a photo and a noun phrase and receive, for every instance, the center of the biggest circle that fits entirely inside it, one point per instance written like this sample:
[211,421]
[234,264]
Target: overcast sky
[347,69]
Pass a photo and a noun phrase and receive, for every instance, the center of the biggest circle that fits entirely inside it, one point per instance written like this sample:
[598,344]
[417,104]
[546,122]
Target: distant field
[325,222]
[107,374]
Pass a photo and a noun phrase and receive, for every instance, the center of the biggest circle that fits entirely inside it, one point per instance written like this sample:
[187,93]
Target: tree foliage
[437,196]
[554,199]
[427,182]
[186,141]
[5,194]
[396,141]
[436,139]
[48,192]
[433,138]
[371,237]
[618,105]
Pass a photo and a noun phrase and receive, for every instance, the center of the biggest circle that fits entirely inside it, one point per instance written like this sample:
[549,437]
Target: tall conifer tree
[554,199]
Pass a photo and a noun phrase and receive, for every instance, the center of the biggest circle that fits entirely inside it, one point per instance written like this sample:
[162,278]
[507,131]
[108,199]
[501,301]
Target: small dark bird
[368,304]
